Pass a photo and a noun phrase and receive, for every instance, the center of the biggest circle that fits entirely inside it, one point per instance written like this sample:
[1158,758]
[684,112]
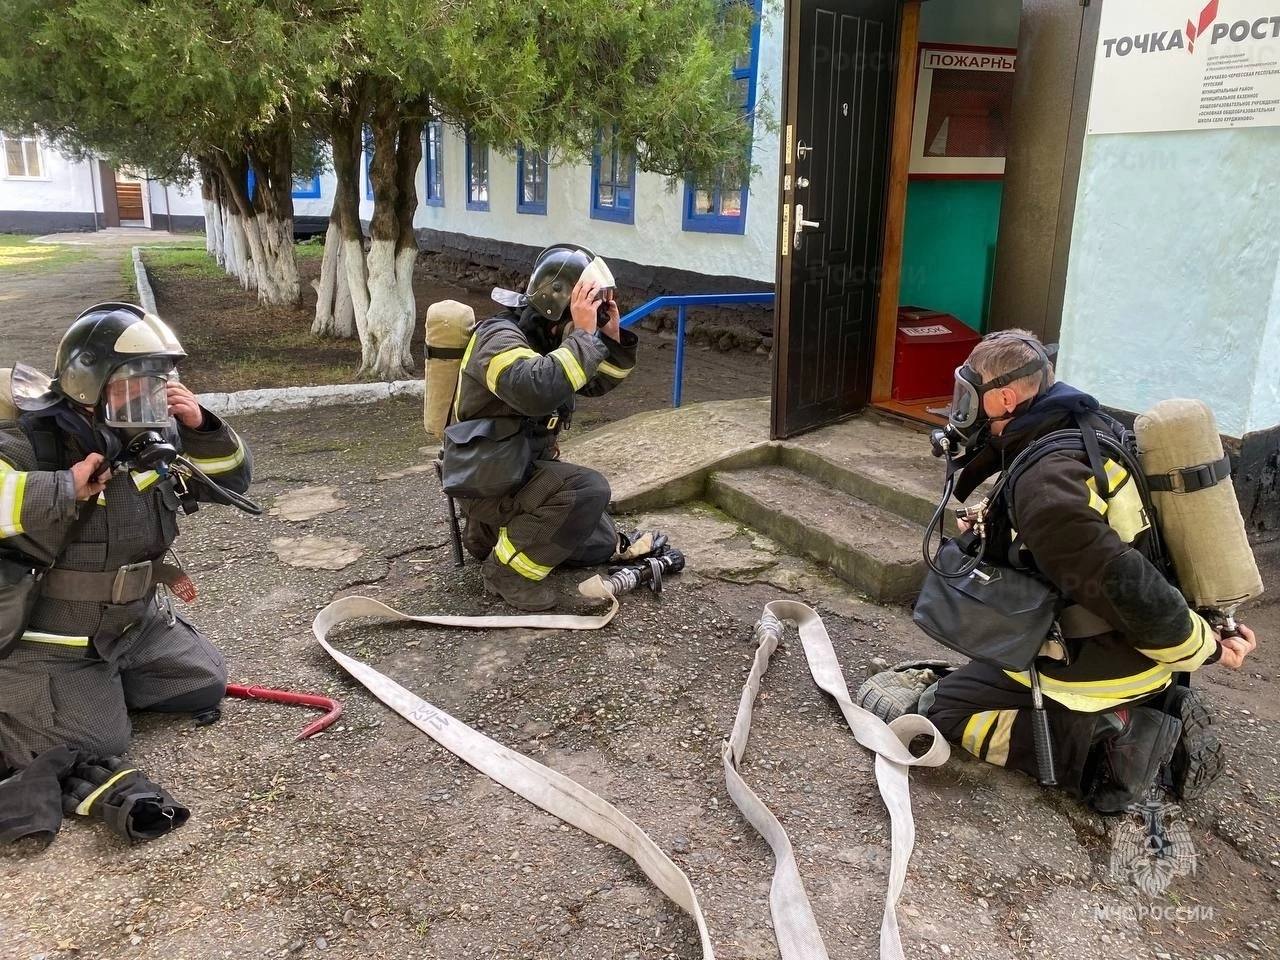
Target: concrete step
[883,463]
[875,550]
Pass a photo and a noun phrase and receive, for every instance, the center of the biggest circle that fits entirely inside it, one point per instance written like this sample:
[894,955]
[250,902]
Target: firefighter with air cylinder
[1084,618]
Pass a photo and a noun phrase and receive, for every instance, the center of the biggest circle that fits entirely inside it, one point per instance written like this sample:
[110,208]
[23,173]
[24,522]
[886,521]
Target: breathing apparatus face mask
[135,398]
[135,406]
[968,424]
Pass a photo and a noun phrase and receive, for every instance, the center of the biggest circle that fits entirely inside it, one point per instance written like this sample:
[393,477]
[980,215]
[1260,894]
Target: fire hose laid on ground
[794,924]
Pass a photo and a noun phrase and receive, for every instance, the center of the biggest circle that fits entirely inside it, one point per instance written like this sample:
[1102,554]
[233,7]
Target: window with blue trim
[477,175]
[531,181]
[721,206]
[433,161]
[613,180]
[305,189]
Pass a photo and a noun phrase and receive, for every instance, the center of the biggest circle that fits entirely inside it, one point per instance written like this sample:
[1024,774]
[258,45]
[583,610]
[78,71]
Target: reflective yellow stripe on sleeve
[501,361]
[609,370]
[216,465]
[13,485]
[57,639]
[1199,640]
[572,368]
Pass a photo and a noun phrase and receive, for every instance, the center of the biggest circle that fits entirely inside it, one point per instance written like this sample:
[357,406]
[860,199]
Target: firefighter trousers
[989,714]
[62,691]
[557,518]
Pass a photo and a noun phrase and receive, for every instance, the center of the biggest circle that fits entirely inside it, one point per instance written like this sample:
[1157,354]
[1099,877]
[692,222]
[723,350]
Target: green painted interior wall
[951,225]
[949,246]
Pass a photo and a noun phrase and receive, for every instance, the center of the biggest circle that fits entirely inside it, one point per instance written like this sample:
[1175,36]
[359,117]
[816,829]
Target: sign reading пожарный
[1186,65]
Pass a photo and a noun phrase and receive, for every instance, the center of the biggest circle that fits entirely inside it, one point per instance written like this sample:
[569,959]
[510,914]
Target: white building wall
[657,237]
[62,198]
[1171,297]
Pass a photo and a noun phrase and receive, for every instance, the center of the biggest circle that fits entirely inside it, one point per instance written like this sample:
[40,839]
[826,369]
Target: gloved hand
[110,790]
[639,544]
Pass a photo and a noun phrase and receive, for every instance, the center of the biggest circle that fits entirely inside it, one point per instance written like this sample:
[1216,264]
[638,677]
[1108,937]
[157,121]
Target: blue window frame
[307,189]
[477,175]
[368,159]
[531,181]
[613,180]
[433,162]
[721,207]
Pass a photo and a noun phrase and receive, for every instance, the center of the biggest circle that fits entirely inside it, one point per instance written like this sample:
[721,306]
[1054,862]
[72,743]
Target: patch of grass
[19,255]
[183,261]
[311,249]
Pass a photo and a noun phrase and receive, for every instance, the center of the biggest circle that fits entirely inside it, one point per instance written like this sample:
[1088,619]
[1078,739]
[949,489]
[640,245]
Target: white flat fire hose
[794,924]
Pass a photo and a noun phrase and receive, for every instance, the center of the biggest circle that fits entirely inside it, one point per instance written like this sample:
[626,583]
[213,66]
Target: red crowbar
[332,707]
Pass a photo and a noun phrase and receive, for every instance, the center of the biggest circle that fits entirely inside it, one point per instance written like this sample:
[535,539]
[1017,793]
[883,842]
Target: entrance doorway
[984,151]
[838,94]
[129,202]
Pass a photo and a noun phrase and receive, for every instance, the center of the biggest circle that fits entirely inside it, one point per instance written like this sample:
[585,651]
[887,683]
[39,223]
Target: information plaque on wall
[1186,65]
[963,98]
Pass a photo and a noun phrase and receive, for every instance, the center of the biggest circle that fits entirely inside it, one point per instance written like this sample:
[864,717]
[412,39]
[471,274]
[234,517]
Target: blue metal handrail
[682,305]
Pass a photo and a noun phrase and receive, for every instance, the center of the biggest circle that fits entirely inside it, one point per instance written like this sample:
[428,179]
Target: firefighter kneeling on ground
[1122,720]
[88,630]
[520,376]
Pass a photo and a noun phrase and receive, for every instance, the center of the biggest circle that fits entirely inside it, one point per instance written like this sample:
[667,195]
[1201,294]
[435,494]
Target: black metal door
[838,106]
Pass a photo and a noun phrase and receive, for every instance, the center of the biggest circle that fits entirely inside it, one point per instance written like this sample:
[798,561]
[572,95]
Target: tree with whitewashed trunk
[179,87]
[550,73]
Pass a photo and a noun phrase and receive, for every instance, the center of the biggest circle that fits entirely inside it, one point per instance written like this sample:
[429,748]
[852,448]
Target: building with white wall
[43,191]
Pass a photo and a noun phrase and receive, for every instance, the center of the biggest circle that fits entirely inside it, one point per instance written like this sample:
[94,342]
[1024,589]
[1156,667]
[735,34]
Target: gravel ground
[370,841]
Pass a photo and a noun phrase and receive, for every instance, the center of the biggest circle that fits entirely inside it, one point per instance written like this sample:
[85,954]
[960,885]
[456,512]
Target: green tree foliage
[222,86]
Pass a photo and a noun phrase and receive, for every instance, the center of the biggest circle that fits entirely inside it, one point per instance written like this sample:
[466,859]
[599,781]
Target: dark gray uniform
[558,516]
[99,640]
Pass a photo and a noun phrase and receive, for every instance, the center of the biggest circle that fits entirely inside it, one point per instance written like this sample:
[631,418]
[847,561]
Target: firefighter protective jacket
[134,520]
[1128,628]
[503,375]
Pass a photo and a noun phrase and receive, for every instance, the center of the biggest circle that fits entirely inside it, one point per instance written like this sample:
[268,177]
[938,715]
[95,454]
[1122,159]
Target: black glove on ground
[110,790]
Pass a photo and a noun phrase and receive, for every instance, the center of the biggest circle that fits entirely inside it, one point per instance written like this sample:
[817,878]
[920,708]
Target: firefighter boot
[1197,759]
[1133,758]
[521,592]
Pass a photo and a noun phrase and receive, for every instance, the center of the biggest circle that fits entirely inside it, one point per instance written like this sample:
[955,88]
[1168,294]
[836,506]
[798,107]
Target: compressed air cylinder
[1203,530]
[7,409]
[448,327]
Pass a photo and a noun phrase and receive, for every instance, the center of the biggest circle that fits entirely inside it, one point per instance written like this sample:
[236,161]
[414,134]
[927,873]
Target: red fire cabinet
[930,345]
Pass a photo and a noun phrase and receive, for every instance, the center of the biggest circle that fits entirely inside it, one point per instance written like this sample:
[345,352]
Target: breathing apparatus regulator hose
[935,524]
[220,493]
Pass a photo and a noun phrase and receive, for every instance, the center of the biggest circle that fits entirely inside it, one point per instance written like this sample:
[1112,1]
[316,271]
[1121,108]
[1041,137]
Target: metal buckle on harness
[136,575]
[553,421]
[1202,475]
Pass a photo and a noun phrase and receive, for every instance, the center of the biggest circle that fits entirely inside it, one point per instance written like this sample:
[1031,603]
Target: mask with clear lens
[598,272]
[136,399]
[966,400]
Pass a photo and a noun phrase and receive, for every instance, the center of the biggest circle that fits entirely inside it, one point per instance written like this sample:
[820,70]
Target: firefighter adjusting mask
[968,423]
[556,272]
[134,396]
[135,407]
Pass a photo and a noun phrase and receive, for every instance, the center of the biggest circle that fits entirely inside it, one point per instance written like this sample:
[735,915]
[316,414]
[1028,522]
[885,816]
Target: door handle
[802,224]
[803,149]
